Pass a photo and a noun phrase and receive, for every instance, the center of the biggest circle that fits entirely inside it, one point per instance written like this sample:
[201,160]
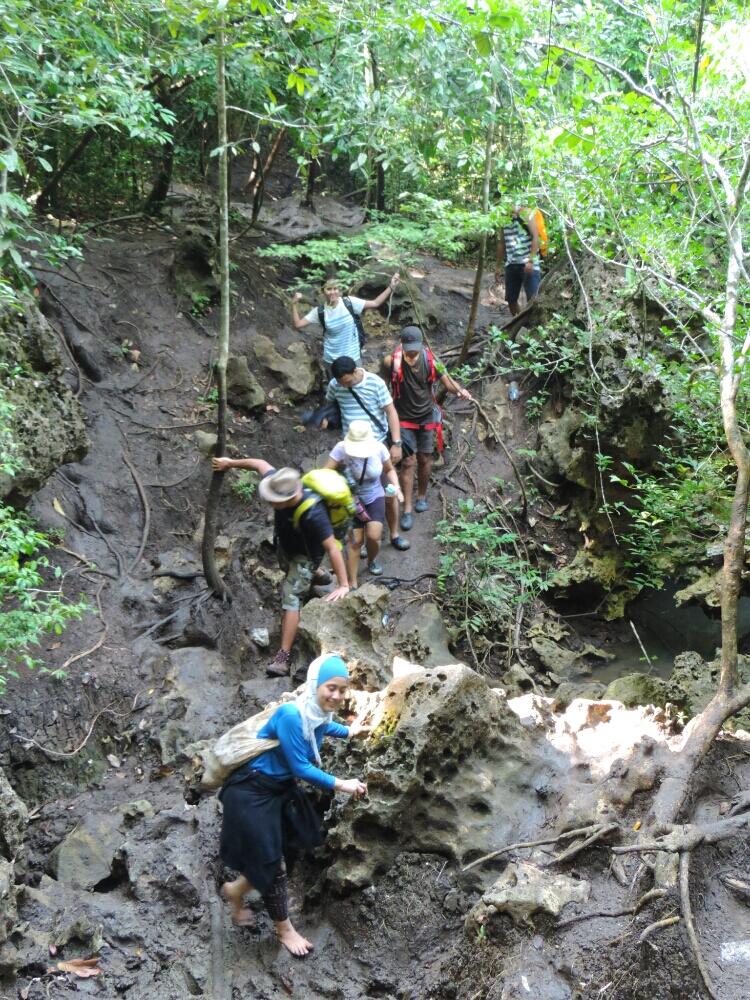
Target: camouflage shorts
[297,583]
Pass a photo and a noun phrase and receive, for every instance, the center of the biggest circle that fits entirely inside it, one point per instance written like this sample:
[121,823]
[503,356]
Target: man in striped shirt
[518,244]
[361,395]
[340,334]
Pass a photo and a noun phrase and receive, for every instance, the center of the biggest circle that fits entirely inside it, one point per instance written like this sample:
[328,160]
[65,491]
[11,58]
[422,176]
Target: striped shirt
[517,244]
[340,338]
[374,394]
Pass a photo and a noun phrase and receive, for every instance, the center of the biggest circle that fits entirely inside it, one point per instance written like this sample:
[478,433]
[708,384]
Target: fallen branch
[568,835]
[687,913]
[570,852]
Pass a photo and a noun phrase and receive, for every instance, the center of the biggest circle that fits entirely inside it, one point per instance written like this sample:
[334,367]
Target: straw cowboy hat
[284,484]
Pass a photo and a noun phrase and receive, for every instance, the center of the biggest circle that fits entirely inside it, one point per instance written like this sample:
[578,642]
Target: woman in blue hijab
[268,820]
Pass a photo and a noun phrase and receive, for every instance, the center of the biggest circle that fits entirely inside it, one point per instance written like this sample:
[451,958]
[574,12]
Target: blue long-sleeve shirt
[293,757]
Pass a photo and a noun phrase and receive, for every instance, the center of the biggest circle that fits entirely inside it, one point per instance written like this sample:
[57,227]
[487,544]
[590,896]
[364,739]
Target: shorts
[419,442]
[375,510]
[516,277]
[297,583]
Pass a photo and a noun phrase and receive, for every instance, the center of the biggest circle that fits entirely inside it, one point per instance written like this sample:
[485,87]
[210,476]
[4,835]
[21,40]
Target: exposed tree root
[598,833]
[657,926]
[146,512]
[687,913]
[99,642]
[568,835]
[591,916]
[686,838]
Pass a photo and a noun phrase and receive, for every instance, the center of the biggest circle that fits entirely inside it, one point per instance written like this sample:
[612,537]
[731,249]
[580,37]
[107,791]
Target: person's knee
[408,462]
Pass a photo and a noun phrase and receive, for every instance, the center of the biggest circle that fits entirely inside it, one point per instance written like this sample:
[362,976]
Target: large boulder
[244,391]
[13,822]
[86,856]
[449,770]
[297,371]
[45,421]
[359,624]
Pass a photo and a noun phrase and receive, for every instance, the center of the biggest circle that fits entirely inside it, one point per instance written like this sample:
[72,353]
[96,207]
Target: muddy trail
[111,859]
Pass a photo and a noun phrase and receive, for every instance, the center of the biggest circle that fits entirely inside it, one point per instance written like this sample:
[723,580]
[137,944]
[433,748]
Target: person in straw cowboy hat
[300,547]
[367,465]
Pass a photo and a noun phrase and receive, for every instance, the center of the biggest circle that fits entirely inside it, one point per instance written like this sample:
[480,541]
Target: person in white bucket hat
[366,463]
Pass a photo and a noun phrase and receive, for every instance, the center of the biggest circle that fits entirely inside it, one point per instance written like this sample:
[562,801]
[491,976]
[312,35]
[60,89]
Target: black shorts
[516,278]
[375,510]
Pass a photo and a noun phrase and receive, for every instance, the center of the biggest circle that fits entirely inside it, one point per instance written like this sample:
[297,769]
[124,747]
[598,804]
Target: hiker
[518,244]
[365,461]
[363,395]
[300,546]
[339,318]
[415,373]
[268,820]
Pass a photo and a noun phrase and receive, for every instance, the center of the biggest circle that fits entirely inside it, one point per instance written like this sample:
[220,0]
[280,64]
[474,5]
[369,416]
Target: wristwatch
[396,444]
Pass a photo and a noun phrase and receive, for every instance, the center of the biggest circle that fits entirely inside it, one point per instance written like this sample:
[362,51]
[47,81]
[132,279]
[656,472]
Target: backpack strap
[381,426]
[349,307]
[322,317]
[308,502]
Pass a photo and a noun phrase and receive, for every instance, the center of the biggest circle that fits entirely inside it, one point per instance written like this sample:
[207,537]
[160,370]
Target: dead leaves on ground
[83,968]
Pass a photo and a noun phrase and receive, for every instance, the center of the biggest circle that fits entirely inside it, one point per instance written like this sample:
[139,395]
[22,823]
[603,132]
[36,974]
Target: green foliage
[244,484]
[485,577]
[30,607]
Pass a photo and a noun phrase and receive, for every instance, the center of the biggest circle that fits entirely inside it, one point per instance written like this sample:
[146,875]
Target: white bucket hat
[359,441]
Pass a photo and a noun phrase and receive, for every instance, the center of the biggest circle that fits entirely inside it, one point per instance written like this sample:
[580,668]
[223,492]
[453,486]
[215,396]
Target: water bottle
[513,391]
[390,490]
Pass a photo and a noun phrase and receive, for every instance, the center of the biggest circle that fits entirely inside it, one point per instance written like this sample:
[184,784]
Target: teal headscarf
[322,669]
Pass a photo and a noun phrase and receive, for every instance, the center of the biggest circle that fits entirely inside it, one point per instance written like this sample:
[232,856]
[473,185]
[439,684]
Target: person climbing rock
[415,373]
[300,547]
[268,820]
[362,395]
[365,462]
[339,317]
[518,245]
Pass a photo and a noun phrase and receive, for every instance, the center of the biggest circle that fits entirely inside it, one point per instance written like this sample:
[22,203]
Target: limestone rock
[297,371]
[354,624]
[13,821]
[206,442]
[523,890]
[243,389]
[693,682]
[637,689]
[85,857]
[449,770]
[47,421]
[495,403]
[195,268]
[421,636]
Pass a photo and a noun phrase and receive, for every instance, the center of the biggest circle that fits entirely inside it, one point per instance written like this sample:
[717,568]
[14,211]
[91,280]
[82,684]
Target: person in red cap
[300,547]
[415,374]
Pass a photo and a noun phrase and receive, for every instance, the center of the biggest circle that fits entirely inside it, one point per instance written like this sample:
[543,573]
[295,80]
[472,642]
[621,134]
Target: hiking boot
[407,521]
[421,506]
[375,568]
[400,543]
[322,590]
[321,578]
[279,665]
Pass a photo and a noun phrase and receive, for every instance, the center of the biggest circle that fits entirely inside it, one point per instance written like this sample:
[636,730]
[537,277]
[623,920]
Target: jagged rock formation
[13,820]
[46,422]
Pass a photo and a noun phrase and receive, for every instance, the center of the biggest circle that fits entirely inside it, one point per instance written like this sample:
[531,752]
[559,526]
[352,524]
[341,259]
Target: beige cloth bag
[238,746]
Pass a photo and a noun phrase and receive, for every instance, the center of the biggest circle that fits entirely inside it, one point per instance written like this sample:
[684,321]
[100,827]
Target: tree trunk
[50,188]
[312,174]
[162,181]
[469,336]
[210,570]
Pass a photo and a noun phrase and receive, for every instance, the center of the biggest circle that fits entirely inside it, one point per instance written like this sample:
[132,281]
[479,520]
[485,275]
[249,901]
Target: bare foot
[241,915]
[292,941]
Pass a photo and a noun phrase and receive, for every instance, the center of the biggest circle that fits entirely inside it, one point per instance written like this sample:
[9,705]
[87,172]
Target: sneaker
[375,568]
[322,590]
[421,506]
[363,552]
[321,578]
[407,520]
[279,665]
[400,543]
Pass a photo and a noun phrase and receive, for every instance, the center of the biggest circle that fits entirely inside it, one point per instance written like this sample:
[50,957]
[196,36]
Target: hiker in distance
[415,374]
[268,820]
[339,318]
[301,544]
[361,395]
[518,245]
[365,462]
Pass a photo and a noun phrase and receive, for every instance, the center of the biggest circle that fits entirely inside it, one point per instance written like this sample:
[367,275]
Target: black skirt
[265,820]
